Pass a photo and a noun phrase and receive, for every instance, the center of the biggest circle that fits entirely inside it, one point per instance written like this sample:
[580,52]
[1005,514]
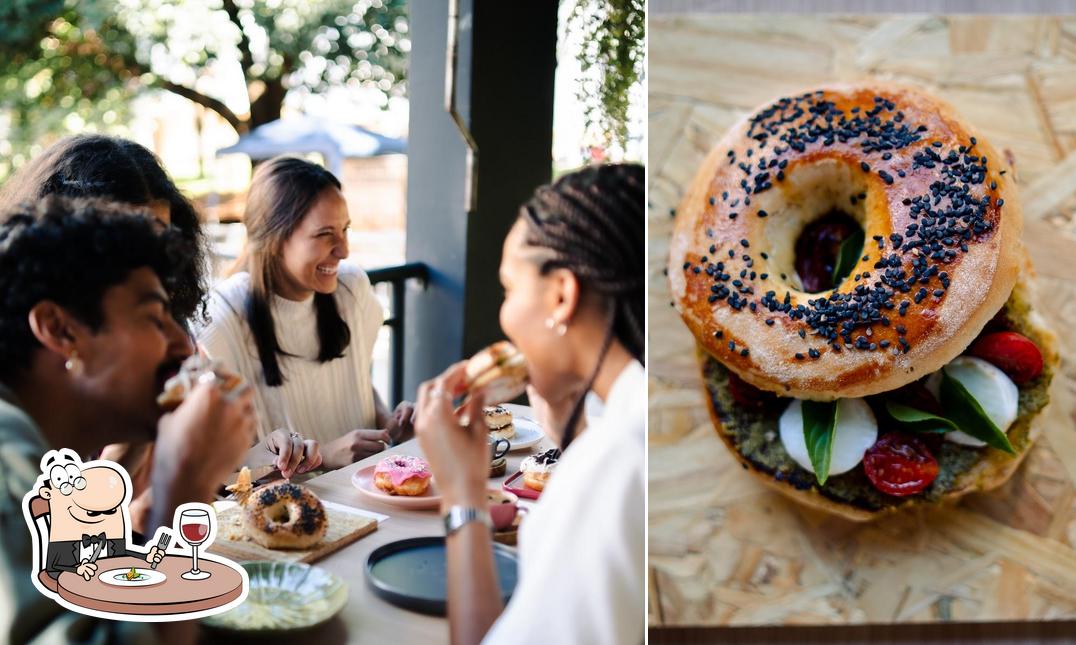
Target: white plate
[528,434]
[116,577]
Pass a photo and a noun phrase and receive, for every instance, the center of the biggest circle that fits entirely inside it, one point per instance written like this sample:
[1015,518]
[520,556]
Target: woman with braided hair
[574,279]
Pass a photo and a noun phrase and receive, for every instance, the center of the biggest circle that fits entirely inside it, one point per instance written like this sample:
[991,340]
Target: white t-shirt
[320,400]
[581,548]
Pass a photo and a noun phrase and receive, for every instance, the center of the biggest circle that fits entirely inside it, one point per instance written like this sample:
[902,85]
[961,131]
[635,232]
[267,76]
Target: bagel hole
[280,515]
[811,213]
[819,247]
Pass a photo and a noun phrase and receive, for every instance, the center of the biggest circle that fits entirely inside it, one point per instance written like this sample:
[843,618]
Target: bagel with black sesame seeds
[767,271]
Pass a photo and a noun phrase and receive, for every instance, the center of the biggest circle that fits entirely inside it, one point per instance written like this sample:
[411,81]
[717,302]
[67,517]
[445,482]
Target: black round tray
[411,573]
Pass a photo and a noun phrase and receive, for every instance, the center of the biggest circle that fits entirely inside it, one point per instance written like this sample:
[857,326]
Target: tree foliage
[76,64]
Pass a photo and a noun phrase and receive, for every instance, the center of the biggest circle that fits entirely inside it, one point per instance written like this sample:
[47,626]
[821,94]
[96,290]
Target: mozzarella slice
[994,391]
[855,431]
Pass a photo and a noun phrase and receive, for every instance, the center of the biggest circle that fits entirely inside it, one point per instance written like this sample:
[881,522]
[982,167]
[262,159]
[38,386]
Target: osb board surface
[725,550]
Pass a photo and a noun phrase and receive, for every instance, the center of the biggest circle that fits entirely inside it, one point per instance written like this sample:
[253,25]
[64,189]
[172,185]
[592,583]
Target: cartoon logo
[84,558]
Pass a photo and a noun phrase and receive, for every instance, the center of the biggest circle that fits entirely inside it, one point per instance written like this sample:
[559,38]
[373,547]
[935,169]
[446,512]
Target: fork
[162,545]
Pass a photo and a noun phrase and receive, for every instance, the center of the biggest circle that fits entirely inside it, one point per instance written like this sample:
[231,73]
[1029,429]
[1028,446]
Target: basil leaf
[847,256]
[962,408]
[819,421]
[917,420]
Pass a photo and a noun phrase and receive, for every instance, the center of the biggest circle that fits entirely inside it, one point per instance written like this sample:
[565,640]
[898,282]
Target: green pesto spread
[755,433]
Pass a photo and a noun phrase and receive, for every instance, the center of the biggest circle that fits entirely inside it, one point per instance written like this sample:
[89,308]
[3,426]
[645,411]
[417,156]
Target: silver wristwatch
[459,516]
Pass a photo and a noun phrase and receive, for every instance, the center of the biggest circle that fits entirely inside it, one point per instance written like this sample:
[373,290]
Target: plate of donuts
[398,480]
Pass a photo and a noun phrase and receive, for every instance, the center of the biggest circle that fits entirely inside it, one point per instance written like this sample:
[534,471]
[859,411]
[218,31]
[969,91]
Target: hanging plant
[612,61]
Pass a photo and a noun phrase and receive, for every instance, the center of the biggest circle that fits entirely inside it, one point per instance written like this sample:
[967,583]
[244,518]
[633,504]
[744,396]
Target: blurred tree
[612,59]
[69,65]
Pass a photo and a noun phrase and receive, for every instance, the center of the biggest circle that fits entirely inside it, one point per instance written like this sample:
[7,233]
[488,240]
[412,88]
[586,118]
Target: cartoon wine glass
[194,527]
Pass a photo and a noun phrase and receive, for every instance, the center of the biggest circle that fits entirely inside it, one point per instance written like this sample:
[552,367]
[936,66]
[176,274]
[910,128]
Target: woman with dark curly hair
[573,271]
[118,170]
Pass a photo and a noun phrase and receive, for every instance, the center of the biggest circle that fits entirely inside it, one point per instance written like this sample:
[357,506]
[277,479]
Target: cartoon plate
[123,578]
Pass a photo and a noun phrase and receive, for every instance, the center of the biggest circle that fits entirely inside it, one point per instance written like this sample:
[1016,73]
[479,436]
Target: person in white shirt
[573,270]
[300,326]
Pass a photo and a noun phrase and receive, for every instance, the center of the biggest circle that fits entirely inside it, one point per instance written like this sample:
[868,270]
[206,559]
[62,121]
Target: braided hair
[591,223]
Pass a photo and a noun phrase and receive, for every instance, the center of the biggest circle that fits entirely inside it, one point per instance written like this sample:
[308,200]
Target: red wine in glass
[194,527]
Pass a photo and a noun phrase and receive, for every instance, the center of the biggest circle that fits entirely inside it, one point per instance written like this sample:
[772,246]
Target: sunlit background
[186,78]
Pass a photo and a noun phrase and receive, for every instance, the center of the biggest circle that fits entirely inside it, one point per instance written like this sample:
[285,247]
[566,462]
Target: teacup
[495,451]
[503,507]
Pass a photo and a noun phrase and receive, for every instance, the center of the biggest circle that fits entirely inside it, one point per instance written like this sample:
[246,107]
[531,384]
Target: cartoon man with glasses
[87,521]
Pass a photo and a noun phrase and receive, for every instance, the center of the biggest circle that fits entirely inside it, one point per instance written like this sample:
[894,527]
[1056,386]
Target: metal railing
[397,277]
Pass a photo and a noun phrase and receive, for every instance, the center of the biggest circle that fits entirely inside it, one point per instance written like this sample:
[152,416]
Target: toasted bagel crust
[937,329]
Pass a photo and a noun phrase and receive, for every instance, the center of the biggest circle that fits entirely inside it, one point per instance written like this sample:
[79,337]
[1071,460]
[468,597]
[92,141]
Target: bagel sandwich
[849,261]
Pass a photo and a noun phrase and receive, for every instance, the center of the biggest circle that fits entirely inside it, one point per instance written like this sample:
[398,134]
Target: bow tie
[92,540]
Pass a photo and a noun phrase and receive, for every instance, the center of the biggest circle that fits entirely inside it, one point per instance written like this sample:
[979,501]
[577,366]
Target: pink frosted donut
[402,475]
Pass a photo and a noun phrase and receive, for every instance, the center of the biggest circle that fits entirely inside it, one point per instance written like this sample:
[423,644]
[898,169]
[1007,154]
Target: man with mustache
[86,338]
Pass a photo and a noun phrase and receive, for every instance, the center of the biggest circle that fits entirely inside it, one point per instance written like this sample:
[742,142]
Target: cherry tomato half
[900,465]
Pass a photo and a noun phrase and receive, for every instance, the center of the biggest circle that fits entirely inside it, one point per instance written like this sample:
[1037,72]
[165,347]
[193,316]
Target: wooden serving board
[724,549]
[345,526]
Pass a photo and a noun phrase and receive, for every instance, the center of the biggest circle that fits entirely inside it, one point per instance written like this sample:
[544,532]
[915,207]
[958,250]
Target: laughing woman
[573,273]
[300,325]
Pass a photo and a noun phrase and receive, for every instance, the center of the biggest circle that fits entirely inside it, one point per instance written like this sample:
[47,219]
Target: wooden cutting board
[725,550]
[345,526]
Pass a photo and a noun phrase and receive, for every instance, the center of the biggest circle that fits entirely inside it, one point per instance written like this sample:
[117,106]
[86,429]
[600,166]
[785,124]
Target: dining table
[366,618]
[175,596]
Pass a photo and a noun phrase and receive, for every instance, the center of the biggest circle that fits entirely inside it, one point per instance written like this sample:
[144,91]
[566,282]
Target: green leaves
[962,412]
[819,422]
[969,416]
[917,420]
[848,255]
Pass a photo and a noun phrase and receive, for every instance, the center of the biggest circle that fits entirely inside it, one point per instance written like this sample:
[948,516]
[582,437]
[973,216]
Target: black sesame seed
[814,353]
[865,166]
[713,201]
[718,334]
[744,352]
[744,243]
[769,321]
[732,345]
[762,213]
[799,357]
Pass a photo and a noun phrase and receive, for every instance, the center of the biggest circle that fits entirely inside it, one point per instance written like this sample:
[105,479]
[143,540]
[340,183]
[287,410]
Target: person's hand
[353,446]
[200,444]
[458,454]
[86,569]
[401,426]
[294,455]
[155,555]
